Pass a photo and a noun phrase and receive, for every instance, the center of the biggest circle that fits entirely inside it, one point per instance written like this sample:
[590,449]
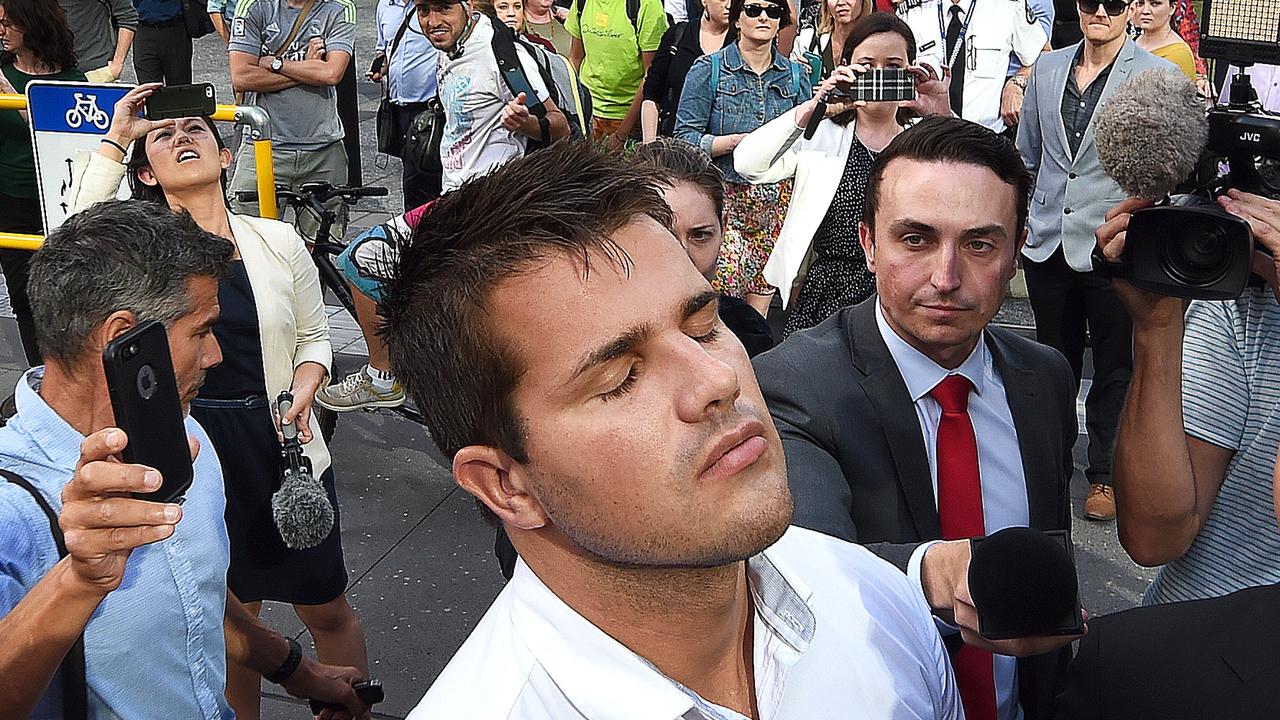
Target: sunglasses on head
[1113,7]
[753,11]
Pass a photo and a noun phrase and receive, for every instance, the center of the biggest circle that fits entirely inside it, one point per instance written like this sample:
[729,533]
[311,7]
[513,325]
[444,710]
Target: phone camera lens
[146,382]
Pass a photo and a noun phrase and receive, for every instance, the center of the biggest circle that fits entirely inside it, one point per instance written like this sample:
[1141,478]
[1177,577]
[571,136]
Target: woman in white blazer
[831,171]
[274,337]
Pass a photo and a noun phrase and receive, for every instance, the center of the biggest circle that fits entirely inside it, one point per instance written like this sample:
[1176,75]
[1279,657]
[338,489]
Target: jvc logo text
[1252,137]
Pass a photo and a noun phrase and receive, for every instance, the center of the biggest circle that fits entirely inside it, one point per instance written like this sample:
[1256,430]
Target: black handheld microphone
[1023,583]
[820,111]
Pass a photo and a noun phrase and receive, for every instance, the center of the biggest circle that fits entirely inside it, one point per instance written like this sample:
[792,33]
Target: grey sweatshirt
[94,23]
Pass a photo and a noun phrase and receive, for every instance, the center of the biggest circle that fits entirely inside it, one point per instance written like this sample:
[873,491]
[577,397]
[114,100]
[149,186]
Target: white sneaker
[356,391]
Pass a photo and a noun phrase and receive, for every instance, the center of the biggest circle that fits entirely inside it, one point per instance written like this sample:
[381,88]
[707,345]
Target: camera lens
[146,382]
[1202,257]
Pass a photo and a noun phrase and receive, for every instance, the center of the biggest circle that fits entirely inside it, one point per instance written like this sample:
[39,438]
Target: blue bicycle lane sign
[66,118]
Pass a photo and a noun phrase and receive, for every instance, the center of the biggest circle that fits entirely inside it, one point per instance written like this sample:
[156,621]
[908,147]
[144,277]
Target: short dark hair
[117,255]
[676,161]
[951,139]
[563,201]
[877,23]
[735,11]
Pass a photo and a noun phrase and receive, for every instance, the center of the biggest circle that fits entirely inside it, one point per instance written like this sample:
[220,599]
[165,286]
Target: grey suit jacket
[1072,195]
[856,459]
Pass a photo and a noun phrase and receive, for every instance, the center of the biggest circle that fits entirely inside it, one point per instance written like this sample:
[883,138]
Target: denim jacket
[741,102]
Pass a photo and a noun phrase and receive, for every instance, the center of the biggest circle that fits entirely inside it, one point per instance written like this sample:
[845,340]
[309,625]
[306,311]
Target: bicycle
[311,198]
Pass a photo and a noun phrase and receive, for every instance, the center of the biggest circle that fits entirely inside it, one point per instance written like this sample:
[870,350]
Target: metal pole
[260,129]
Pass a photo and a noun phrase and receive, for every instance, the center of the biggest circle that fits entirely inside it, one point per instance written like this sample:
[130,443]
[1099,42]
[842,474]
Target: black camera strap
[75,689]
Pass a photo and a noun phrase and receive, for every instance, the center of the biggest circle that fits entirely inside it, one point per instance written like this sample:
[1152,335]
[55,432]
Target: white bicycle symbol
[86,108]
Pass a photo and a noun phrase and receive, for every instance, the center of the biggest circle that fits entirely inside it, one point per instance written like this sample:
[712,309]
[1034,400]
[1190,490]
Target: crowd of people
[702,321]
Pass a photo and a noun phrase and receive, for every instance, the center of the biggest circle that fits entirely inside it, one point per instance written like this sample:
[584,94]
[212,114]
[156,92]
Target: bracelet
[289,665]
[114,144]
[1019,80]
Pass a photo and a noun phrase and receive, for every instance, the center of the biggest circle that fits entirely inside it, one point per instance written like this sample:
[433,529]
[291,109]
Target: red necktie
[960,516]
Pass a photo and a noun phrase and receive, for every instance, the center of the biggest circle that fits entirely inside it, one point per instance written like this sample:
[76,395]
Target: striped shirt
[1231,398]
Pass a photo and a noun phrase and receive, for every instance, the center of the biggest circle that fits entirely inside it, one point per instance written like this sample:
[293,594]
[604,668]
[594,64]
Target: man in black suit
[1198,660]
[874,458]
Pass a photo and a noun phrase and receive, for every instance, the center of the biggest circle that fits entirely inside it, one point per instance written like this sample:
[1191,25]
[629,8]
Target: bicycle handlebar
[318,193]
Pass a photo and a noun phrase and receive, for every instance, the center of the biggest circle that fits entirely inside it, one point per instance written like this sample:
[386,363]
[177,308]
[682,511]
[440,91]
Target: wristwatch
[1019,80]
[277,65]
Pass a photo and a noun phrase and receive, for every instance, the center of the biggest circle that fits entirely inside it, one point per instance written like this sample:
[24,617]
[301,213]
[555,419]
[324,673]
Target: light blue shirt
[155,646]
[413,69]
[226,7]
[1004,486]
[1043,12]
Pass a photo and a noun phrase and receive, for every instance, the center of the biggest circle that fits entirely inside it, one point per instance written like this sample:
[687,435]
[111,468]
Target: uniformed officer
[974,38]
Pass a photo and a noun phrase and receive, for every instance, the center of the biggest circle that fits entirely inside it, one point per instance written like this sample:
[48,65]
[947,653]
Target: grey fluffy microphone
[1150,133]
[301,506]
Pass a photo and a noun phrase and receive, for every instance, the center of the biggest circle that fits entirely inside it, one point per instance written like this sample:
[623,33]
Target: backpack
[570,96]
[633,14]
[671,101]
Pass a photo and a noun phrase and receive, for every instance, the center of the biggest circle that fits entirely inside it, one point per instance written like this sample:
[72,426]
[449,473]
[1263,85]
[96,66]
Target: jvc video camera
[1188,247]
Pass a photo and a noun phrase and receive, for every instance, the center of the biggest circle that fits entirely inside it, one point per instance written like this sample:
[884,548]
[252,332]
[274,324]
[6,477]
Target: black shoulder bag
[390,141]
[75,690]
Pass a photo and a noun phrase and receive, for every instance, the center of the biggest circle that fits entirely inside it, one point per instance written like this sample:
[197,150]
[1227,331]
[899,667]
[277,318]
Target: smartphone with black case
[144,397]
[879,85]
[180,101]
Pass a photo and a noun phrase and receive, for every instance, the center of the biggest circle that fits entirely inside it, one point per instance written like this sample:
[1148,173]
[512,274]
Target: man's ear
[501,483]
[116,324]
[866,236]
[225,158]
[1017,251]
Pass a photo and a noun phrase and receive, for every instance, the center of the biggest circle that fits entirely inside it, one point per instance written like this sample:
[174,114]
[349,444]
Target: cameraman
[1198,434]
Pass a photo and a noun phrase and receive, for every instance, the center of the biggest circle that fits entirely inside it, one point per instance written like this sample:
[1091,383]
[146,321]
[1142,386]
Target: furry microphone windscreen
[1151,132]
[302,511]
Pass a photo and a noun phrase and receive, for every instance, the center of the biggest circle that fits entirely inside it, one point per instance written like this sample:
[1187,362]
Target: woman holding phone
[274,337]
[35,44]
[831,170]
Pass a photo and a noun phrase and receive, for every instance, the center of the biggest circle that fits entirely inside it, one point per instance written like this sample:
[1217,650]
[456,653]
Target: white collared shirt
[1004,486]
[838,633]
[997,28]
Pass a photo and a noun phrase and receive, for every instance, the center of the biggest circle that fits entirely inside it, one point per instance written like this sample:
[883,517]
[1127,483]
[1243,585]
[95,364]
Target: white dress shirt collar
[920,373]
[603,678]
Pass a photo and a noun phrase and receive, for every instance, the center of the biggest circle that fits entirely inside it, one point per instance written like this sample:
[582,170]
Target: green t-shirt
[611,69]
[17,159]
